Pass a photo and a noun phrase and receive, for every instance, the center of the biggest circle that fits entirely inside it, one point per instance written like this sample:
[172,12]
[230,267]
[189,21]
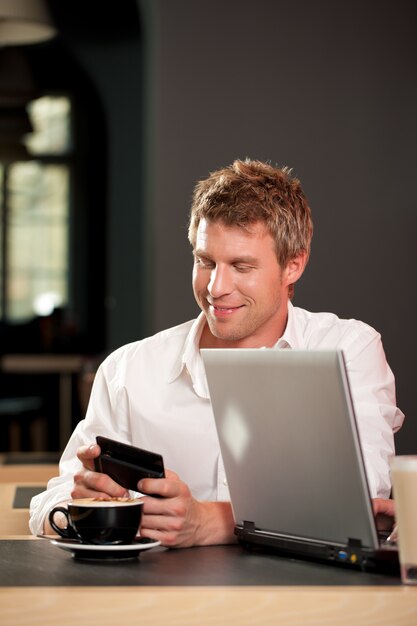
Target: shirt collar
[190,358]
[291,337]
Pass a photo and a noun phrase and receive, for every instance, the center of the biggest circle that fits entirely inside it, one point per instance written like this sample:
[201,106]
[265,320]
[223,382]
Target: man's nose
[220,282]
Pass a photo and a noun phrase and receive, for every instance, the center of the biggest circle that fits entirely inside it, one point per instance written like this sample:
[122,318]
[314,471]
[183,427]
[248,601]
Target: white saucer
[92,551]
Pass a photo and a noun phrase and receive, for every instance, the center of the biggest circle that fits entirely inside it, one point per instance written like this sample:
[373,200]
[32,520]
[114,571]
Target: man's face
[239,285]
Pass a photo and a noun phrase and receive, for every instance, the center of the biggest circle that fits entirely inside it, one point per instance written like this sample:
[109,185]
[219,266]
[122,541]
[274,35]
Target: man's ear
[295,268]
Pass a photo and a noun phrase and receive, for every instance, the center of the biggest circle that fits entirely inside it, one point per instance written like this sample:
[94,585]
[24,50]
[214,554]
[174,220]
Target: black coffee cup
[100,521]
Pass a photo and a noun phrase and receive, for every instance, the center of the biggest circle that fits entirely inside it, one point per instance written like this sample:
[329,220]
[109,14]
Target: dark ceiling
[97,20]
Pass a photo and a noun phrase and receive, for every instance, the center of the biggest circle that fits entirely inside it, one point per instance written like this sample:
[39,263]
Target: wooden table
[225,586]
[64,366]
[28,473]
[14,520]
[18,483]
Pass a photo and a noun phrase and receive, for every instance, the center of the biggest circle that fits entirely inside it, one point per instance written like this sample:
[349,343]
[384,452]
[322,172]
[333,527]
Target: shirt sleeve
[108,408]
[373,392]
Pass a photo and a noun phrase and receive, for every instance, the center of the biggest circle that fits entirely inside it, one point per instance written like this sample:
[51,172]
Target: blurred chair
[23,423]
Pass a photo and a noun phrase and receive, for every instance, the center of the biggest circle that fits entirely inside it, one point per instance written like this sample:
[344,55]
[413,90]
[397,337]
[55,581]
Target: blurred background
[109,114]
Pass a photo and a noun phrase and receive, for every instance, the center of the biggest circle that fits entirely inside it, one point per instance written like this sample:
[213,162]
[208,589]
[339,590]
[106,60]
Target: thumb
[87,454]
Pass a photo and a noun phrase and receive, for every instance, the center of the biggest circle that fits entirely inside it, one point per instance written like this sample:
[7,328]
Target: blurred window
[34,210]
[51,119]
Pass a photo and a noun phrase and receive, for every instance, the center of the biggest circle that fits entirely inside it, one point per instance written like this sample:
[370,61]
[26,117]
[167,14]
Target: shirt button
[224,482]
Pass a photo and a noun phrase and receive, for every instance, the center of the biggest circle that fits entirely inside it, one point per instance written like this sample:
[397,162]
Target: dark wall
[107,46]
[326,87]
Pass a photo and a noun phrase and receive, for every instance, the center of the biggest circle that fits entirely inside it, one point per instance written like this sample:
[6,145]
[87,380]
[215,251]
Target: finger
[163,487]
[87,454]
[157,506]
[163,529]
[161,524]
[382,506]
[169,487]
[79,491]
[171,475]
[167,539]
[97,482]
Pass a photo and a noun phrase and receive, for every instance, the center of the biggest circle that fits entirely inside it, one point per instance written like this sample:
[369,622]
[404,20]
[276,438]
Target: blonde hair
[251,191]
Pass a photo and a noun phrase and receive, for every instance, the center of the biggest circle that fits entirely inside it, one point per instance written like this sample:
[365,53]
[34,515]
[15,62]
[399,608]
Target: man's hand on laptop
[384,511]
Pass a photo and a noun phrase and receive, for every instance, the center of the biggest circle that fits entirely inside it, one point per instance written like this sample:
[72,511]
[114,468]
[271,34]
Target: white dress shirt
[153,394]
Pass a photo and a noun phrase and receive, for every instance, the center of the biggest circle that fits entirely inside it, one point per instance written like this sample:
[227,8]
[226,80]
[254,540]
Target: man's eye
[243,268]
[204,263]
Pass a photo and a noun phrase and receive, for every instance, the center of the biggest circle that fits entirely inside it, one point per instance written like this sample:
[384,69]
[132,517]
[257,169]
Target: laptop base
[353,556]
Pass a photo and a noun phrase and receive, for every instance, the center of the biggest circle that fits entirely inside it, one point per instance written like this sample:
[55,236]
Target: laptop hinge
[250,526]
[356,555]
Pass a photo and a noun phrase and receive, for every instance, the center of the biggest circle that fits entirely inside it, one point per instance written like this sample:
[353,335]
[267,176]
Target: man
[250,231]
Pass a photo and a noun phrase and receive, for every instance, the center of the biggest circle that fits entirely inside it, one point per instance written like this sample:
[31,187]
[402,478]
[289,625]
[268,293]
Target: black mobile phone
[126,464]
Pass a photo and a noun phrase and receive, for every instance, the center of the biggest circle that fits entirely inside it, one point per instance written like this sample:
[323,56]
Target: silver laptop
[291,451]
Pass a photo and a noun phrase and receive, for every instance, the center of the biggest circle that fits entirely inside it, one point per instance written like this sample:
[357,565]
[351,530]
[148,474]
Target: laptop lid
[291,450]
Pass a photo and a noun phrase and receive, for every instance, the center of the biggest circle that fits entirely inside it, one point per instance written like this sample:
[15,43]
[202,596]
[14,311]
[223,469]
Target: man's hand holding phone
[175,518]
[127,464]
[111,468]
[88,483]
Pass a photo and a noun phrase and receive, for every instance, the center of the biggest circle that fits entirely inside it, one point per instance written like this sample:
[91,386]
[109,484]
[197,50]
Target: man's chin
[228,335]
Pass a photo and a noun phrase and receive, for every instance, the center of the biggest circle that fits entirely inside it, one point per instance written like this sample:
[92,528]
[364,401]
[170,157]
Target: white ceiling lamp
[24,22]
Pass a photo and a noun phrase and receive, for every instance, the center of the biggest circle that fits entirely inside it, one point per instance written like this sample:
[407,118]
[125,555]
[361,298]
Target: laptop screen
[289,443]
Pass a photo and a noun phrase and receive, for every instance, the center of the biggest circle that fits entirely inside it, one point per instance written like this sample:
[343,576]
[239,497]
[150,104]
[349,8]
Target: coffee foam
[106,502]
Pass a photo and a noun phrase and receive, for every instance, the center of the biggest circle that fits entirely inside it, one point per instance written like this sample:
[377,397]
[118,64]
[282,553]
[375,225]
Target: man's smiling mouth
[225,309]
